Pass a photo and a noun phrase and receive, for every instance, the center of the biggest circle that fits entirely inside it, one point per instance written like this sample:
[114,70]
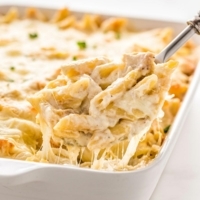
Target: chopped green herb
[12,68]
[82,44]
[33,35]
[117,35]
[74,58]
[166,129]
[10,80]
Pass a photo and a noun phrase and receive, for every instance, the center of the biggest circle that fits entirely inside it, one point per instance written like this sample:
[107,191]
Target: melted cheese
[136,97]
[93,112]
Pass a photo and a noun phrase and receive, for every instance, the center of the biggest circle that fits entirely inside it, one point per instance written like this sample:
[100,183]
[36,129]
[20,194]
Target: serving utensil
[192,28]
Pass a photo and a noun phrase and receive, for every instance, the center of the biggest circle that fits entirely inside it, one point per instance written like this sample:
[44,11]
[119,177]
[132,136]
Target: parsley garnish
[74,58]
[166,129]
[10,80]
[117,35]
[82,44]
[33,35]
[12,68]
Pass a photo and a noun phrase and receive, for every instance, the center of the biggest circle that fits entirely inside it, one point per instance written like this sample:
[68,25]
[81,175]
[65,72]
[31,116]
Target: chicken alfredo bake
[86,91]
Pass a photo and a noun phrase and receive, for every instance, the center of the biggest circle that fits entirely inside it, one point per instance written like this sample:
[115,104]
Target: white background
[181,177]
[180,10]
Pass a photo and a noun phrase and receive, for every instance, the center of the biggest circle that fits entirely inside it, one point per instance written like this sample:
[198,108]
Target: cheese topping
[80,92]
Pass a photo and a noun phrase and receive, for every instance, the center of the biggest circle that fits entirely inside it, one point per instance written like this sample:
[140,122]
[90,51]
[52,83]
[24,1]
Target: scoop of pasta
[97,103]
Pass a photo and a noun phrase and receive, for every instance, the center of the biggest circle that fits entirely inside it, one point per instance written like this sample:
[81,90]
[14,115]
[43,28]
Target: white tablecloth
[181,177]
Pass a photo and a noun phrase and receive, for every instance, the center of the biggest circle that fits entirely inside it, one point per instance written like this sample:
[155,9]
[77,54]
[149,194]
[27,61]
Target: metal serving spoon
[192,28]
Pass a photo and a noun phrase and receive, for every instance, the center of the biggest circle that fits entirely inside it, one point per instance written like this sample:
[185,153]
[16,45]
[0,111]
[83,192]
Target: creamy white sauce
[28,64]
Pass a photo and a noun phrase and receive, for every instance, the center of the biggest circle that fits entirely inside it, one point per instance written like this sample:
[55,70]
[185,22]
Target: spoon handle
[192,28]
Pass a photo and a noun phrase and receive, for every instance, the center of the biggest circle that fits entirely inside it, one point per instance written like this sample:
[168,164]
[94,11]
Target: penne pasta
[86,91]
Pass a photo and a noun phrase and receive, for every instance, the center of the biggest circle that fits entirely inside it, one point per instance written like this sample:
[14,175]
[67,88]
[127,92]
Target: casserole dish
[26,180]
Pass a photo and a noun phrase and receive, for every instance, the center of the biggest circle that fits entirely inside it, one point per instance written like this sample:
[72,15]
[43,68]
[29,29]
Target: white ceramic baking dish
[20,180]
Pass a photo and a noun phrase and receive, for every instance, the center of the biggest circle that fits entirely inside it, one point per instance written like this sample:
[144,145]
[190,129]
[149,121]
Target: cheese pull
[108,102]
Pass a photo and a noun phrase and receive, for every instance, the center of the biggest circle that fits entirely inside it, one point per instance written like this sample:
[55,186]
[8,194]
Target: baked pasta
[86,91]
